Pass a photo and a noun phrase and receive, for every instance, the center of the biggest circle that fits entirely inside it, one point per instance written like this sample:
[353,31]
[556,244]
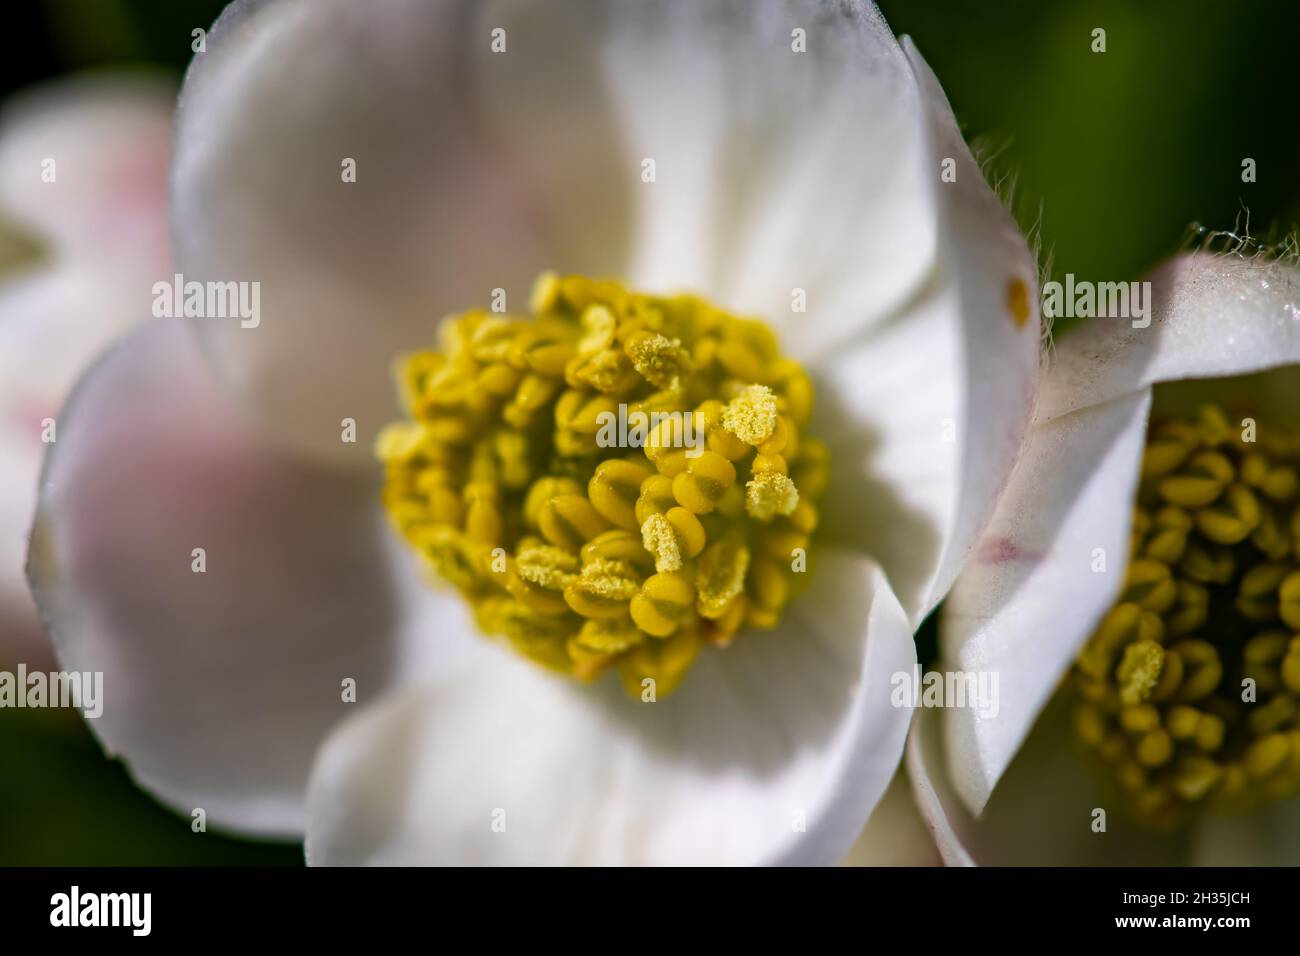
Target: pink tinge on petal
[228,595]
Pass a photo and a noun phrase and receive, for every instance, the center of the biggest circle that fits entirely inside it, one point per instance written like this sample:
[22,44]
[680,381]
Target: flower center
[1189,686]
[613,481]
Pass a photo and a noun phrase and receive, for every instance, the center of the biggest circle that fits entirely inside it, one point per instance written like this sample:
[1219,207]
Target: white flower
[775,170]
[83,229]
[1035,592]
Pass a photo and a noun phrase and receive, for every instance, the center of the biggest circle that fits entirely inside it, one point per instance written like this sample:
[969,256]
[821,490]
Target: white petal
[926,416]
[1268,836]
[774,170]
[1212,316]
[83,166]
[217,685]
[1032,593]
[895,835]
[1043,811]
[783,728]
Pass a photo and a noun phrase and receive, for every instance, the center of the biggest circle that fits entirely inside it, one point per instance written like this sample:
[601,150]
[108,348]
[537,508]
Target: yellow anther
[616,545]
[1210,731]
[1257,593]
[798,391]
[598,325]
[751,415]
[804,517]
[720,577]
[1265,648]
[542,491]
[608,370]
[570,521]
[770,494]
[540,574]
[1164,457]
[1154,749]
[1269,717]
[740,361]
[1192,609]
[1209,564]
[1204,671]
[706,478]
[673,538]
[1138,673]
[584,413]
[609,635]
[614,490]
[603,589]
[663,604]
[512,453]
[483,522]
[1232,519]
[769,583]
[1200,483]
[577,542]
[1166,545]
[545,294]
[661,361]
[1288,596]
[1139,718]
[1278,482]
[658,666]
[780,439]
[1150,586]
[444,504]
[1266,755]
[1213,426]
[400,441]
[1291,668]
[1088,725]
[717,438]
[550,358]
[1270,536]
[656,497]
[1182,722]
[1171,676]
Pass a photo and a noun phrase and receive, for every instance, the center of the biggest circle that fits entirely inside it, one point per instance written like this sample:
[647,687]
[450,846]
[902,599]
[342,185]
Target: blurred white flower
[83,202]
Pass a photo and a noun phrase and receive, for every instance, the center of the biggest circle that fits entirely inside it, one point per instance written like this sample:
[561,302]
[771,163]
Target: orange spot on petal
[1018,302]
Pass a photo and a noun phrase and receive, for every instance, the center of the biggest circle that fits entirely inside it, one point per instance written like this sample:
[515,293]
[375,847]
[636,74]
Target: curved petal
[774,169]
[1049,565]
[926,416]
[1211,316]
[773,750]
[217,682]
[83,166]
[1043,811]
[895,834]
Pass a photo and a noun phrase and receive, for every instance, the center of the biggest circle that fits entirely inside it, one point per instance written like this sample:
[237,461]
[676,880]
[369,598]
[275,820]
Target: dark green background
[1114,156]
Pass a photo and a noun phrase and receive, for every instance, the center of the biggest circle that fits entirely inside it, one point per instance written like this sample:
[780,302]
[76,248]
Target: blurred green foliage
[1113,154]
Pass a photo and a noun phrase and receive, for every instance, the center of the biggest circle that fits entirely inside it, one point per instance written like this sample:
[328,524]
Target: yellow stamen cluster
[613,481]
[1190,686]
